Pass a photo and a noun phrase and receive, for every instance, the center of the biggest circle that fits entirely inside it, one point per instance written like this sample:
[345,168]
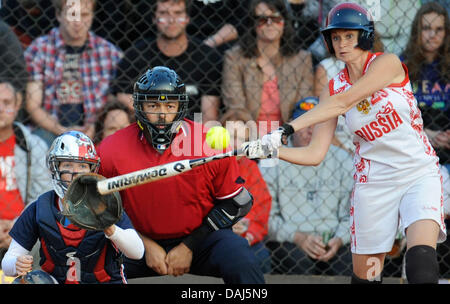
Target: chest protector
[73,255]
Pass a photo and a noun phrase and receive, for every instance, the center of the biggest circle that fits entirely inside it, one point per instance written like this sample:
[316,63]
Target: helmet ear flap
[366,40]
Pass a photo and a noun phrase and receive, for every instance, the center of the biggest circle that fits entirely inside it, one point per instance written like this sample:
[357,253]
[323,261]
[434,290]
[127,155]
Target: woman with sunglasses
[264,76]
[397,176]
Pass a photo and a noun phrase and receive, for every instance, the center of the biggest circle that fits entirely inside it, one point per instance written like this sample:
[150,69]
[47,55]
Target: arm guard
[223,215]
[228,212]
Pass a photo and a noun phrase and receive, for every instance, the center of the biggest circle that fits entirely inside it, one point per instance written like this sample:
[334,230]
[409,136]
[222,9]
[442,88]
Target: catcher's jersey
[390,142]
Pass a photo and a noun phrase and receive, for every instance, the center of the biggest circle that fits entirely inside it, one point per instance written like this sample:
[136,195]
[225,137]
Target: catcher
[82,234]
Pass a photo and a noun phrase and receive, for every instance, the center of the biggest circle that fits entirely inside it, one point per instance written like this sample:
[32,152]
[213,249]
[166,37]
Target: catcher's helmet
[35,277]
[70,146]
[350,16]
[160,84]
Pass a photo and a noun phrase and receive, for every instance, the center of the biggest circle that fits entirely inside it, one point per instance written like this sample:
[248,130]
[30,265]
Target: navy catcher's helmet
[350,16]
[35,277]
[160,84]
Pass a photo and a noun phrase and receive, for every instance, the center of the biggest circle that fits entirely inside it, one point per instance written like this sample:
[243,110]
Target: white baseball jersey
[397,171]
[387,127]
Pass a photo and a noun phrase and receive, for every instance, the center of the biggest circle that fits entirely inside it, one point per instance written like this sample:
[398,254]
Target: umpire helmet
[35,277]
[160,84]
[350,16]
[70,146]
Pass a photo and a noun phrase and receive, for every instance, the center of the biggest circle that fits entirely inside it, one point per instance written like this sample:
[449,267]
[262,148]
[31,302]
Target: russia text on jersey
[382,125]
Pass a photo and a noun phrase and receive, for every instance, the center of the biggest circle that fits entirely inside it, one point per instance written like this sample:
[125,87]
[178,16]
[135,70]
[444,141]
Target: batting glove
[255,149]
[276,138]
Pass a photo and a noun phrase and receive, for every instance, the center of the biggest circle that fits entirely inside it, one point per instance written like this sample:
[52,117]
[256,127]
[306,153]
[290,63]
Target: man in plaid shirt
[70,70]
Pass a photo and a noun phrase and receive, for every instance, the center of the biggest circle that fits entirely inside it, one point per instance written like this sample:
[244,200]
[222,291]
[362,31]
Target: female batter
[396,169]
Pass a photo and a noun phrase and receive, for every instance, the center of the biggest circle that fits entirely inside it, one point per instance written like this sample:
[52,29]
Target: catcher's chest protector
[65,250]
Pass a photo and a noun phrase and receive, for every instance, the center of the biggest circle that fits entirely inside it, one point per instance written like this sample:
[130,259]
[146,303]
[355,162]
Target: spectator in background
[112,117]
[29,19]
[198,64]
[264,76]
[23,175]
[116,21]
[326,70]
[443,3]
[120,22]
[12,63]
[309,227]
[254,226]
[218,23]
[70,73]
[427,57]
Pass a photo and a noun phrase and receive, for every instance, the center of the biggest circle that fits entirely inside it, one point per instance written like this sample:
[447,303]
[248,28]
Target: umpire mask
[161,85]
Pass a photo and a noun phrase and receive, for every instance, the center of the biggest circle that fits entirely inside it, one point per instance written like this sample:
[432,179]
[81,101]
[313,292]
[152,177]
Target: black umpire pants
[222,254]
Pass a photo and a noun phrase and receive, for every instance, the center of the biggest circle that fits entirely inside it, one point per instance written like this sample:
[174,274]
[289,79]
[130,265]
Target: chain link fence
[62,86]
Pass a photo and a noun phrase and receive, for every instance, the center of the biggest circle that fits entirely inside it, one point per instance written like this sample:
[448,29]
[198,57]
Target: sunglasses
[262,20]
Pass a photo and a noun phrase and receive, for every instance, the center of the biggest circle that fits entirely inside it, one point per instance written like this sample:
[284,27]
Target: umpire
[185,221]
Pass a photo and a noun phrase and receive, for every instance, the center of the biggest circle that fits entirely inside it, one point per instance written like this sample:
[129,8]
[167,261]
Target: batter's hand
[333,246]
[276,138]
[255,149]
[24,264]
[273,139]
[179,260]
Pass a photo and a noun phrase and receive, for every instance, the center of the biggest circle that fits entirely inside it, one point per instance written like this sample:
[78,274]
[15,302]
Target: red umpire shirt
[175,206]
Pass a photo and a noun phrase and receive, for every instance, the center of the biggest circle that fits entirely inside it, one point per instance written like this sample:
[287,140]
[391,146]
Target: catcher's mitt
[88,209]
[35,277]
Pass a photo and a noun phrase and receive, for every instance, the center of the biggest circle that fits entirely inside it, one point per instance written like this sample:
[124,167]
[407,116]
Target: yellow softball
[218,138]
